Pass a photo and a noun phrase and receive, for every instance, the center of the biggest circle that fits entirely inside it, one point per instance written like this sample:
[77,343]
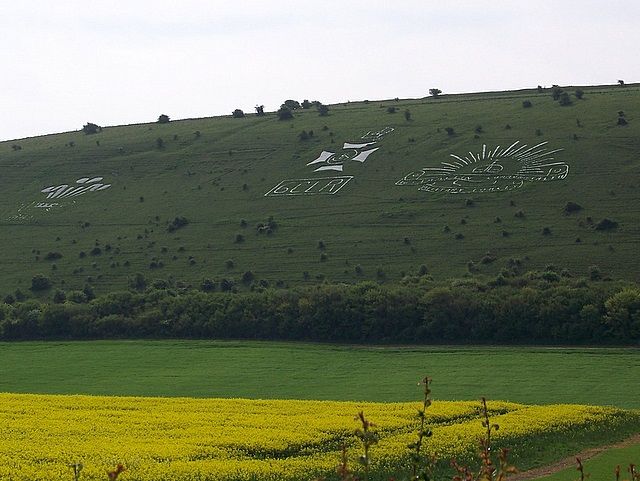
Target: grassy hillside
[371,228]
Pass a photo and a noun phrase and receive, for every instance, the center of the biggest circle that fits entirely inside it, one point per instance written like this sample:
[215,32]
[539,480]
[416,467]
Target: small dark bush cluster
[177,223]
[572,207]
[91,128]
[606,224]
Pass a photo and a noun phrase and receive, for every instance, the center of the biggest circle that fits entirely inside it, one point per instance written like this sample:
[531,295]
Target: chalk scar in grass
[60,195]
[490,170]
[318,186]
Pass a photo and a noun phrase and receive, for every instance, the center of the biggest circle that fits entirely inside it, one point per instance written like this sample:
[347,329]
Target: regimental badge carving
[490,170]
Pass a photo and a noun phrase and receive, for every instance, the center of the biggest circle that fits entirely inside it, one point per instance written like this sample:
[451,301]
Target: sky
[69,62]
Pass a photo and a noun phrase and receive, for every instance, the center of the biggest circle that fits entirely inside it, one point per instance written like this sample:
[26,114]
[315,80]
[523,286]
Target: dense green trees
[530,309]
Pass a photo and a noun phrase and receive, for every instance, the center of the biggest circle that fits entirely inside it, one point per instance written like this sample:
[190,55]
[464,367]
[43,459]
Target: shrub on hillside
[163,119]
[435,92]
[177,223]
[291,104]
[91,128]
[606,224]
[527,104]
[238,114]
[304,135]
[40,282]
[565,100]
[284,113]
[571,207]
[323,110]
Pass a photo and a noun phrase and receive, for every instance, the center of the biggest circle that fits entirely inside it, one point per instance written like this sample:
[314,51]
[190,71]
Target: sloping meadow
[238,439]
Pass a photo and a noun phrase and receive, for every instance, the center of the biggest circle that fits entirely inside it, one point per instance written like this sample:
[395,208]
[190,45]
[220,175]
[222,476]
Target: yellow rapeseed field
[173,439]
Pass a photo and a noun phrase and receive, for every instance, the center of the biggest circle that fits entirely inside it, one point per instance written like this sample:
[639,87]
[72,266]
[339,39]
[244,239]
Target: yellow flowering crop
[180,439]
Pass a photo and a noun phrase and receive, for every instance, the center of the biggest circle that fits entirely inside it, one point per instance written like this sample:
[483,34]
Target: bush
[237,114]
[160,143]
[579,93]
[450,131]
[622,121]
[59,296]
[39,282]
[226,285]
[391,110]
[163,119]
[606,224]
[306,104]
[407,115]
[138,282]
[90,128]
[177,223]
[284,113]
[51,256]
[291,104]
[208,285]
[565,100]
[247,277]
[435,92]
[527,104]
[239,238]
[323,110]
[304,135]
[259,110]
[571,207]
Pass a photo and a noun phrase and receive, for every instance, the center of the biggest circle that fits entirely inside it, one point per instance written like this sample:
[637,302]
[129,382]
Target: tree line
[523,310]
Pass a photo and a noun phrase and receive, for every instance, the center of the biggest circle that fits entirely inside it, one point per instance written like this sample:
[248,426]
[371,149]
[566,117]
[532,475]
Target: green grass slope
[371,228]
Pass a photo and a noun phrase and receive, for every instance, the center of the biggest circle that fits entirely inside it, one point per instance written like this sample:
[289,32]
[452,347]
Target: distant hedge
[532,309]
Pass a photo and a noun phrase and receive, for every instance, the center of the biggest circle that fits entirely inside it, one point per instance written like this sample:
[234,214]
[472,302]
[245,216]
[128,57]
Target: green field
[371,229]
[316,371]
[603,466]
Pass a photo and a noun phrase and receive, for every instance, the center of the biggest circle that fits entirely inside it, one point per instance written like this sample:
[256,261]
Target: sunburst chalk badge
[491,170]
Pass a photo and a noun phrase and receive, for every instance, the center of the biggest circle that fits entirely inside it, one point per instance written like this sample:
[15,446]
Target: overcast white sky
[67,62]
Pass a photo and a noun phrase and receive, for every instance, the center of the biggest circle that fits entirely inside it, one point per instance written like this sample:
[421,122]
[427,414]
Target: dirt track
[571,460]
